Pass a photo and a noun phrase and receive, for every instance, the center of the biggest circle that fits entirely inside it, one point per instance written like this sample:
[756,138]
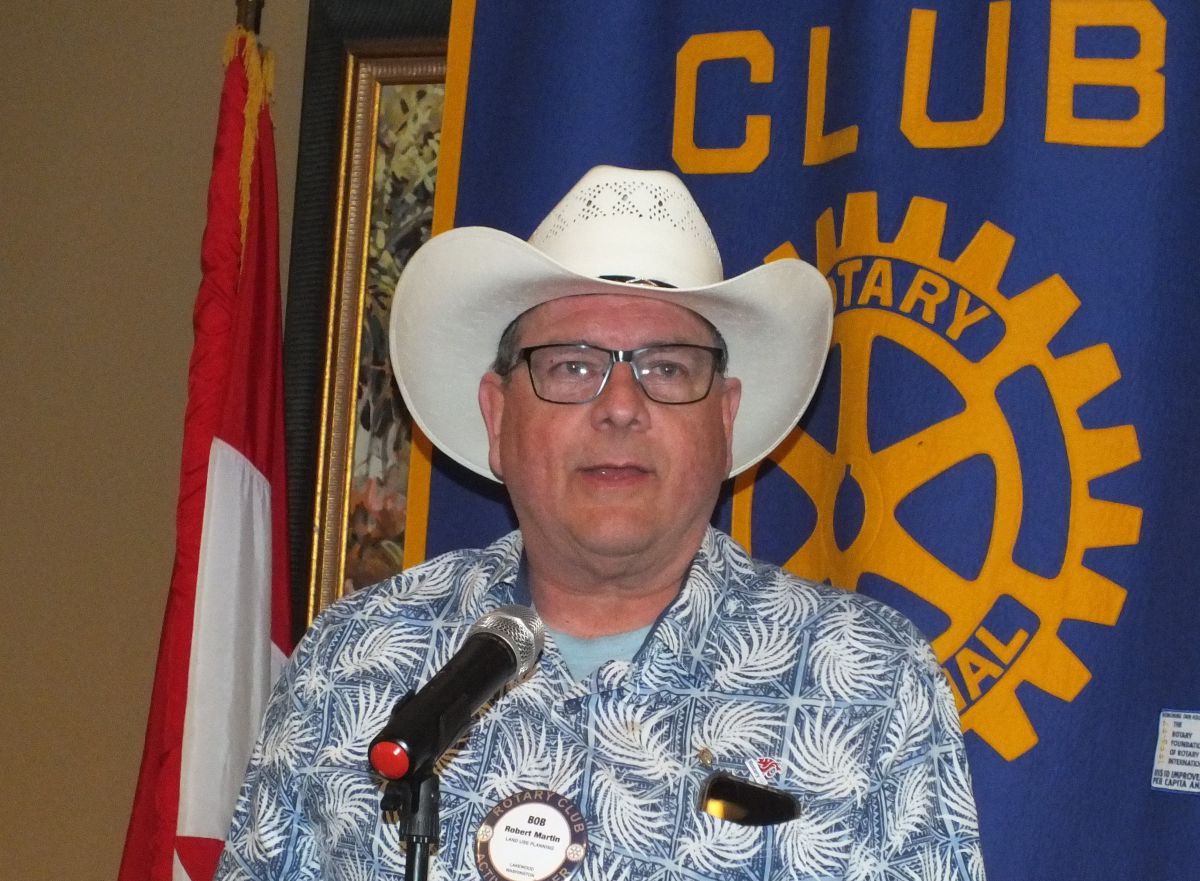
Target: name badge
[534,835]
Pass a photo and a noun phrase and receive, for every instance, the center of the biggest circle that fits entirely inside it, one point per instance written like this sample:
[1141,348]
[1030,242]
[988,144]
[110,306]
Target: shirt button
[572,706]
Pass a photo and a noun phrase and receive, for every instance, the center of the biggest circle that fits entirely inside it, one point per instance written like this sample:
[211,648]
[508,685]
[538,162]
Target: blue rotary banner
[1003,198]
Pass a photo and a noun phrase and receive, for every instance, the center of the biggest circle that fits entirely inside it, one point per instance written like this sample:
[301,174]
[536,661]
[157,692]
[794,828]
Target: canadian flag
[226,631]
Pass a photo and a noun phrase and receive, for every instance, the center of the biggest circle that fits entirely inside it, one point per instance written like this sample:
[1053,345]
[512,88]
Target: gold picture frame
[391,128]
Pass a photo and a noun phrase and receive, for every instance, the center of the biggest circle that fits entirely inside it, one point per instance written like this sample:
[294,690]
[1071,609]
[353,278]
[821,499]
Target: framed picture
[389,173]
[364,201]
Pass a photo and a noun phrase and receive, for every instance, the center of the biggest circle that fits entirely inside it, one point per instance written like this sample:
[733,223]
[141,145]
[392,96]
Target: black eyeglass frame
[617,356]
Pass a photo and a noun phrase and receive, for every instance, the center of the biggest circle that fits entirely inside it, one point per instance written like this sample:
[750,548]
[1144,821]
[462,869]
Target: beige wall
[108,114]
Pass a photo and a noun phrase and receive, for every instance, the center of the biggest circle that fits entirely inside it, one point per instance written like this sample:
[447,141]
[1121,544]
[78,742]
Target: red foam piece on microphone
[389,759]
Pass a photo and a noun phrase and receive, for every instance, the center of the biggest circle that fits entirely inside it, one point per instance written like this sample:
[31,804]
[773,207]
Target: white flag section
[233,661]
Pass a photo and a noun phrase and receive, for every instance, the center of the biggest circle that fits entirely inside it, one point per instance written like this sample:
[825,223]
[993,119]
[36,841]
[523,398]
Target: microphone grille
[519,627]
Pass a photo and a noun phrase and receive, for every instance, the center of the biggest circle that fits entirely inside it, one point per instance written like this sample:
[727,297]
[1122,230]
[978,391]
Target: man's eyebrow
[560,342]
[646,345]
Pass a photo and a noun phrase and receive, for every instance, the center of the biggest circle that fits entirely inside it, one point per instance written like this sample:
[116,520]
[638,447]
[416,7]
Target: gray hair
[507,352]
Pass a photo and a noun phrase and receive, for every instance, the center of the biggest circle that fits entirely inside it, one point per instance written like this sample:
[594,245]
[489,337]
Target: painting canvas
[405,170]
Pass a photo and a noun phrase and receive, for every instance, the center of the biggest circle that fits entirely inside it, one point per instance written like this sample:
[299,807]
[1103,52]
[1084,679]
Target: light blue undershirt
[584,656]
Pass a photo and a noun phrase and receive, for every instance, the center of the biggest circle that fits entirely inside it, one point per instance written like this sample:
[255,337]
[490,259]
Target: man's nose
[622,402]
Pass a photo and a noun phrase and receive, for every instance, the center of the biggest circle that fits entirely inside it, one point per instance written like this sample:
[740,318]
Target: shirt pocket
[817,844]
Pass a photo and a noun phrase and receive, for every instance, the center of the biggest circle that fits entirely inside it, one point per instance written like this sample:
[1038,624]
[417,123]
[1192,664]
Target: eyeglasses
[575,373]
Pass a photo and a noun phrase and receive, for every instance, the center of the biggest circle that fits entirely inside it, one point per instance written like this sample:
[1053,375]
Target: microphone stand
[414,800]
[423,724]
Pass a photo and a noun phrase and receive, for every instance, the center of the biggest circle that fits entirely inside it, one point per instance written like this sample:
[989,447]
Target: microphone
[501,646]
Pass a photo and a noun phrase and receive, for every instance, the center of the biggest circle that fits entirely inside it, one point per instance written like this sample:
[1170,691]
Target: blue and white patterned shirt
[837,695]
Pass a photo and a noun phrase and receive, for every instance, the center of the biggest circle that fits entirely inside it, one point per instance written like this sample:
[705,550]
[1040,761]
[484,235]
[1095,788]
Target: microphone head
[521,630]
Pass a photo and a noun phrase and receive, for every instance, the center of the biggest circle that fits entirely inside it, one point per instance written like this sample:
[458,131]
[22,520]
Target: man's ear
[491,405]
[731,397]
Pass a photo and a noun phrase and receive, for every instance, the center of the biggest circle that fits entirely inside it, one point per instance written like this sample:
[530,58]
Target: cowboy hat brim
[462,288]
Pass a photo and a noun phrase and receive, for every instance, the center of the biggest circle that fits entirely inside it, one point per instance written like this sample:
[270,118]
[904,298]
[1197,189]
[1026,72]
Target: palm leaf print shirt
[831,696]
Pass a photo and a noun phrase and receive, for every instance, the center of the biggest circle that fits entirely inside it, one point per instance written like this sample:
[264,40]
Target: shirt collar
[676,646]
[489,582]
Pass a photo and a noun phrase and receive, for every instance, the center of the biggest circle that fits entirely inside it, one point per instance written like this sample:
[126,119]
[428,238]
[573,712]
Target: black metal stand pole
[416,861]
[415,803]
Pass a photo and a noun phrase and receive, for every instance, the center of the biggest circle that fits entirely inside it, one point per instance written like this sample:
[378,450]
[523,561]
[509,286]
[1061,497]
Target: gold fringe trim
[260,82]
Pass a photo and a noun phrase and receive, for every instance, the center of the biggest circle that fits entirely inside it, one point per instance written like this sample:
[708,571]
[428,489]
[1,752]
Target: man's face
[620,477]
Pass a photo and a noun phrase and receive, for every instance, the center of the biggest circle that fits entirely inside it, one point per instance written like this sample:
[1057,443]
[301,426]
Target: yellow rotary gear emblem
[931,319]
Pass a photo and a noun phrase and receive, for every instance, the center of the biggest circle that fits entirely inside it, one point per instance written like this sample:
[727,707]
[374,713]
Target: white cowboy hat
[462,288]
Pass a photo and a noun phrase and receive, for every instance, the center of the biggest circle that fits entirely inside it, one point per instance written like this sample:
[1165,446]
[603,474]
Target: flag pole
[249,14]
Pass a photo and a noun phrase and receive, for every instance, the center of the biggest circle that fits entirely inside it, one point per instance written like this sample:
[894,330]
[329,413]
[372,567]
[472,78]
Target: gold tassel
[260,77]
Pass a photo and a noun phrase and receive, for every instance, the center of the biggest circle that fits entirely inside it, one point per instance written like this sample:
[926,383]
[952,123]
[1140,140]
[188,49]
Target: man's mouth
[615,472]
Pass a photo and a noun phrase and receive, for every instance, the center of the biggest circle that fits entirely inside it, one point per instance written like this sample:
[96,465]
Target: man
[695,714]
